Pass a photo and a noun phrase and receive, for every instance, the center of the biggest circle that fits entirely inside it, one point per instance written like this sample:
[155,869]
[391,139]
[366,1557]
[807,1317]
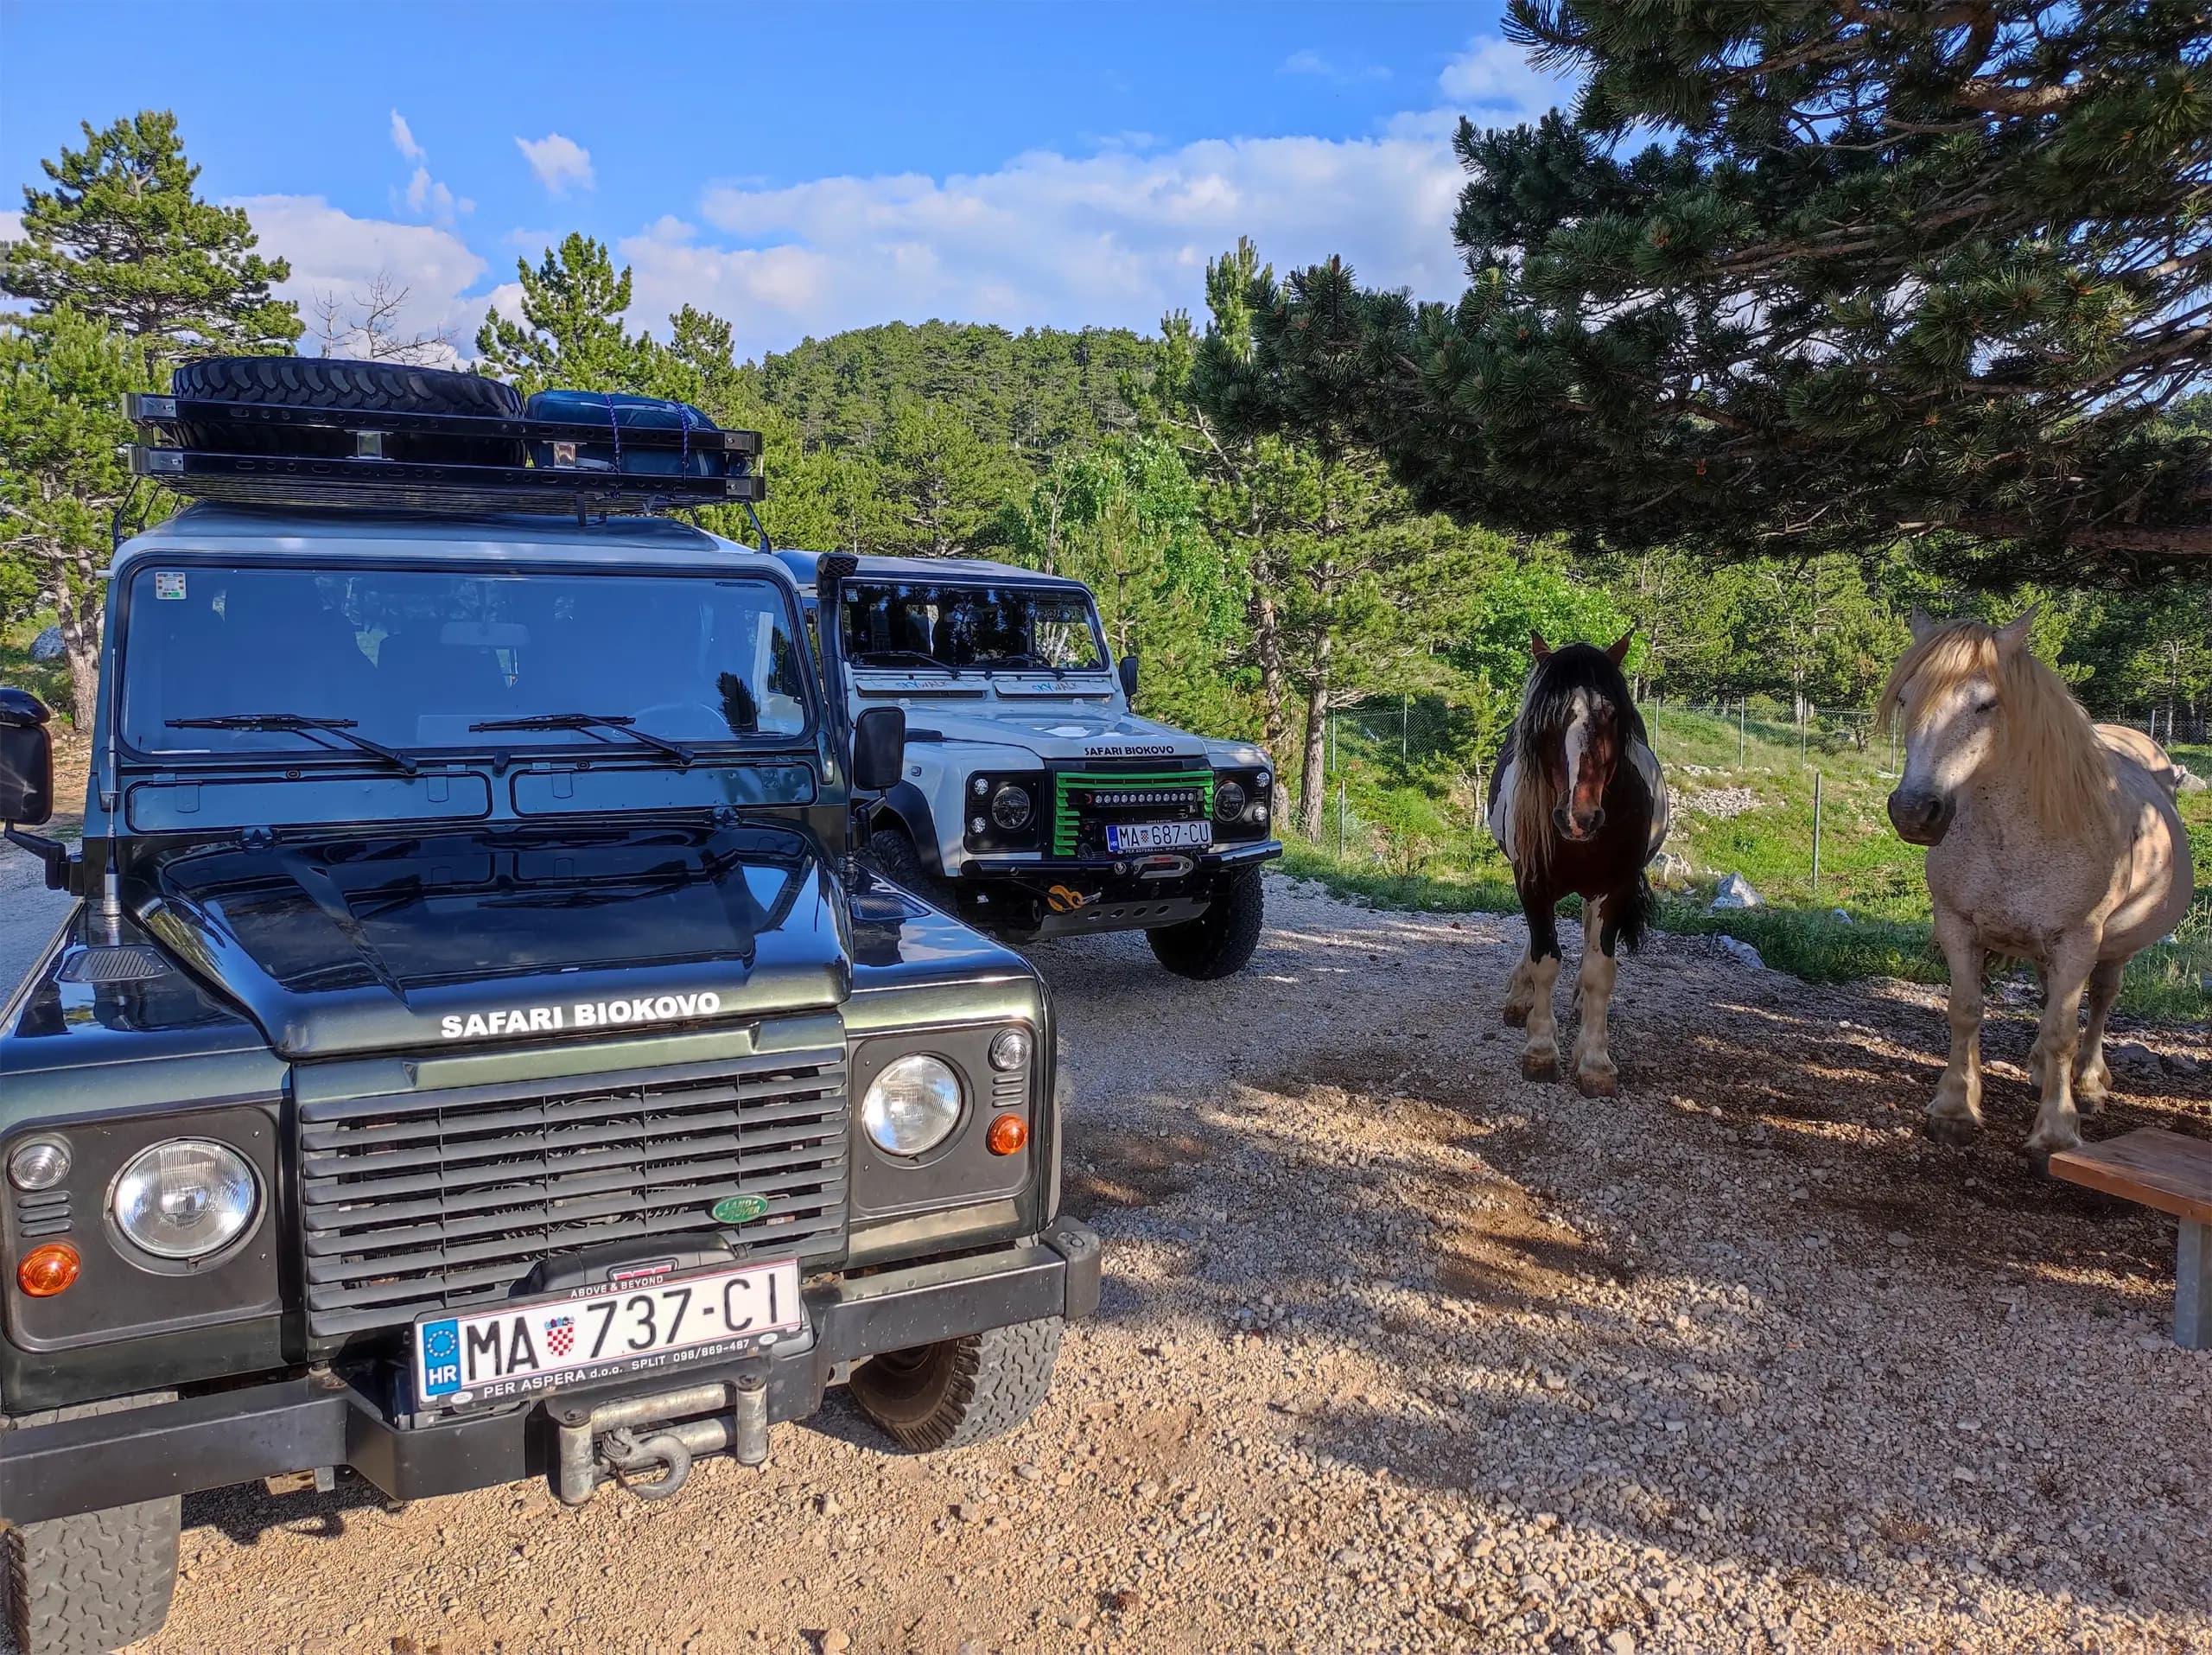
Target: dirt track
[1399,1352]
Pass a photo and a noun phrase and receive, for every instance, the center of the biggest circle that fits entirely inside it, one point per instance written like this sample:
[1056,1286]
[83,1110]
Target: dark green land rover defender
[476,1053]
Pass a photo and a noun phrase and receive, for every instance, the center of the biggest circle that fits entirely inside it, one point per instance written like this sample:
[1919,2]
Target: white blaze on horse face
[1948,742]
[1578,740]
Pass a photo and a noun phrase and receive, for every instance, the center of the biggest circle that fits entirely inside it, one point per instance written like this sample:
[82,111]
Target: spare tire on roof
[338,383]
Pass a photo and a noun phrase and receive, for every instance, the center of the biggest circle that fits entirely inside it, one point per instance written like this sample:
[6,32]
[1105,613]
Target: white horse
[2050,840]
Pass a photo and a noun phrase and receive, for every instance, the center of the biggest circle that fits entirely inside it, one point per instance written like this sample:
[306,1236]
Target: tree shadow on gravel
[1835,1294]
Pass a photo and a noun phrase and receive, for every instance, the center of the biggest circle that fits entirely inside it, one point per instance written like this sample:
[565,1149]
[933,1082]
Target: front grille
[426,1201]
[1083,802]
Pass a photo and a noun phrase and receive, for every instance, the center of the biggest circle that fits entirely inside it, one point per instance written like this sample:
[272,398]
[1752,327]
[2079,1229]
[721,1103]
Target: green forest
[1298,495]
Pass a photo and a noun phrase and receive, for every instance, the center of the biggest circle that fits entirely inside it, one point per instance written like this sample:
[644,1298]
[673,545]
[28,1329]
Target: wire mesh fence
[1788,782]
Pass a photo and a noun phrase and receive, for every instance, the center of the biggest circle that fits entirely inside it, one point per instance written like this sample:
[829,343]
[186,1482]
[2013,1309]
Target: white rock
[1736,892]
[1741,952]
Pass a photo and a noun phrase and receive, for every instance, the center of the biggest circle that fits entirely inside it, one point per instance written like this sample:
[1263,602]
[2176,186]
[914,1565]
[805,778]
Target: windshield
[413,658]
[905,625]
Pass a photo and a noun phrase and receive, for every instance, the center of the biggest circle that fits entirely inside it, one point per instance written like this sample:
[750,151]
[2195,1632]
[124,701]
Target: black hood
[355,944]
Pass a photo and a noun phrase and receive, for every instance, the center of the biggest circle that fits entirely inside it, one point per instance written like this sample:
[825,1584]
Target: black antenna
[757,529]
[115,535]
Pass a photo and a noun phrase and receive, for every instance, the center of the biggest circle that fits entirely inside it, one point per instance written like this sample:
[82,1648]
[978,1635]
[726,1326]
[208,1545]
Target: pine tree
[62,479]
[1936,268]
[571,335]
[945,483]
[124,238]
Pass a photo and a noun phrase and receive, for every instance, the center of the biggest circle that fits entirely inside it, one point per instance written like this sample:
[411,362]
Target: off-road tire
[87,1584]
[335,382]
[960,1391]
[1220,941]
[892,852]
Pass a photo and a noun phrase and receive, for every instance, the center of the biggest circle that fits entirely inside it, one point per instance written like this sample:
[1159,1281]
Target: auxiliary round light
[912,1106]
[40,1164]
[1010,1135]
[49,1270]
[1009,1049]
[1229,801]
[981,786]
[185,1199]
[1011,807]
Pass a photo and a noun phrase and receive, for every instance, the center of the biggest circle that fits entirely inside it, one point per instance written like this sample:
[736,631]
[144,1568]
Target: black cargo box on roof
[312,432]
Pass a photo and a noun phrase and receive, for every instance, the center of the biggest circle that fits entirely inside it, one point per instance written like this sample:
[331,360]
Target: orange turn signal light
[1009,1134]
[49,1270]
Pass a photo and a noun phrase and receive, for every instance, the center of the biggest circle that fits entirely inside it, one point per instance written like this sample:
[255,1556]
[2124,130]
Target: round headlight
[185,1199]
[40,1164]
[1263,778]
[1011,808]
[1009,1049]
[1229,801]
[912,1106]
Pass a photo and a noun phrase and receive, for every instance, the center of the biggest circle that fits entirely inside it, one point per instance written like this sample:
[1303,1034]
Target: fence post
[1816,833]
[1405,724]
[1800,729]
[1340,820]
[1742,717]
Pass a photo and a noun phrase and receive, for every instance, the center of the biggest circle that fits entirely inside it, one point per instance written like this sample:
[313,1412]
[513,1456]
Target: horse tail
[1639,915]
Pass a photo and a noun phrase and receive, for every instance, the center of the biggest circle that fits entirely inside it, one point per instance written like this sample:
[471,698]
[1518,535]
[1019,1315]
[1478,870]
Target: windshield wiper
[870,656]
[683,755]
[341,728]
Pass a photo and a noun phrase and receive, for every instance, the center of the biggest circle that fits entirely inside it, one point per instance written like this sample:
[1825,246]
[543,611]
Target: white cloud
[1308,62]
[558,161]
[425,196]
[333,253]
[1114,239]
[1495,78]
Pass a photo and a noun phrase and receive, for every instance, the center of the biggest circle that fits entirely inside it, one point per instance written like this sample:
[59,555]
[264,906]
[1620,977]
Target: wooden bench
[2173,1174]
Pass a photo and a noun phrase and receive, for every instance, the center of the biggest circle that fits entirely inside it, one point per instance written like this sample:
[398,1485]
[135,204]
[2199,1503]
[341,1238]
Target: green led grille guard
[1065,825]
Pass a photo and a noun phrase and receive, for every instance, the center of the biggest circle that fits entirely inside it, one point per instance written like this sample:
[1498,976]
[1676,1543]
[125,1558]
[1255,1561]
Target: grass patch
[1410,841]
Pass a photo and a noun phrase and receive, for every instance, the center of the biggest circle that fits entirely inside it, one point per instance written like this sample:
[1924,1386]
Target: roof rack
[216,449]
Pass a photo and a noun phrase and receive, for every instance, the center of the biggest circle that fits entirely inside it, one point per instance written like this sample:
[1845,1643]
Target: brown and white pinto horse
[1578,804]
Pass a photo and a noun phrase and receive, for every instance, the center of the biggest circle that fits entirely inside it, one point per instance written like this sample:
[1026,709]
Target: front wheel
[892,852]
[960,1391]
[1219,942]
[85,1584]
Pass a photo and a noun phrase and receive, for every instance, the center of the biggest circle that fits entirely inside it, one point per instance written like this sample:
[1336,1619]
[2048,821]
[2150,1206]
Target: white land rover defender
[1035,802]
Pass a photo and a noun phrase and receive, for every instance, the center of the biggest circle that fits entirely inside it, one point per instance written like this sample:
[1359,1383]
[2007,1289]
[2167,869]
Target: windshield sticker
[169,583]
[580,1014]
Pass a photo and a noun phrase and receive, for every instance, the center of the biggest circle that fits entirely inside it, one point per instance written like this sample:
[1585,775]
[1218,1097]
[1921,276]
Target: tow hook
[628,1456]
[647,1444]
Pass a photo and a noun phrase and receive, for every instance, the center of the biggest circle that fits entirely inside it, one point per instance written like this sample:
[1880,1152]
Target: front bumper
[301,1424]
[1044,868]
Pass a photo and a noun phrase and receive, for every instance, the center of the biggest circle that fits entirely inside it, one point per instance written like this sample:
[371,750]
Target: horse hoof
[1957,1130]
[1515,1016]
[2039,1152]
[1539,1066]
[1597,1083]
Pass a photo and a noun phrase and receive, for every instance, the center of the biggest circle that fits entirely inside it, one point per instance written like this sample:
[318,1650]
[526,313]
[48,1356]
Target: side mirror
[26,760]
[1129,677]
[878,749]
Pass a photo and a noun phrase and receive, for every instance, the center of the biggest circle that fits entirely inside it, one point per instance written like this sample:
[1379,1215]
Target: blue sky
[798,169]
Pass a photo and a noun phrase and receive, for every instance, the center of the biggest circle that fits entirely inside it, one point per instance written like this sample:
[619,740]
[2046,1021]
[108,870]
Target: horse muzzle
[1921,819]
[1578,826]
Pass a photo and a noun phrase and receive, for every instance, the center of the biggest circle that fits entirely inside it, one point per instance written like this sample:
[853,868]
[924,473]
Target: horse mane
[2045,740]
[1547,701]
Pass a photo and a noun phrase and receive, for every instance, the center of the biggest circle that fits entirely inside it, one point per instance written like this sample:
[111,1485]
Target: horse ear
[1538,647]
[2014,632]
[1616,651]
[1923,624]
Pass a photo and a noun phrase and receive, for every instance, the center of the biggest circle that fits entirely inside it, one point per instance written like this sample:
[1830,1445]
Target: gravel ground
[1400,1352]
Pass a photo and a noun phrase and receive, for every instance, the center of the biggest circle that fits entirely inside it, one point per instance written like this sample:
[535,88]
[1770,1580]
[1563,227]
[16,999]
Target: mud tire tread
[1221,941]
[964,1390]
[94,1583]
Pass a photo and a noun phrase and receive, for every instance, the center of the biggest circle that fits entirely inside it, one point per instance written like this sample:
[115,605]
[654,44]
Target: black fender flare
[909,806]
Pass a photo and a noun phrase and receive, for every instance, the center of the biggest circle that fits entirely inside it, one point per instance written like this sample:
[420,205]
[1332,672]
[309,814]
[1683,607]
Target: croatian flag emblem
[561,1335]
